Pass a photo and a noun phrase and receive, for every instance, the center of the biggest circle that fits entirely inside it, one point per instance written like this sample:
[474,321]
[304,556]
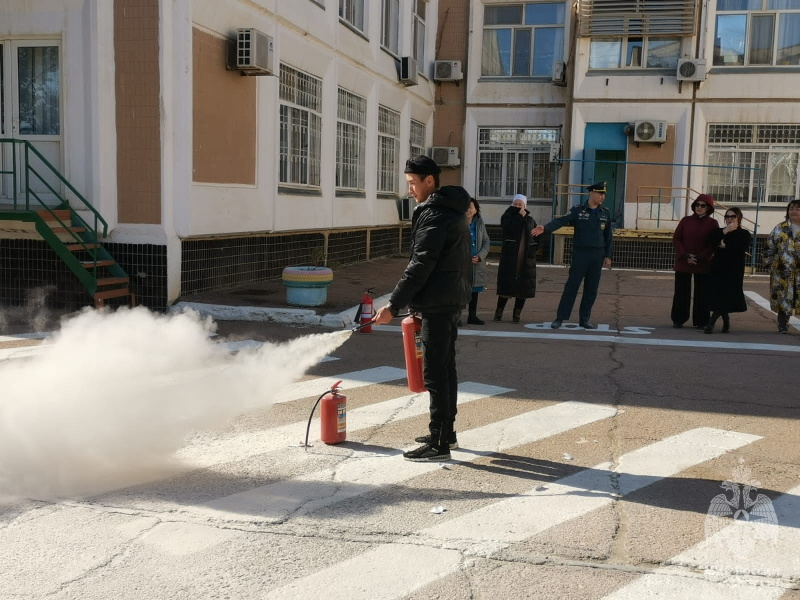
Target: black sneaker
[426,439]
[426,453]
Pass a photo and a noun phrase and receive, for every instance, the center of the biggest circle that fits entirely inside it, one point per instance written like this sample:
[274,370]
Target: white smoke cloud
[114,395]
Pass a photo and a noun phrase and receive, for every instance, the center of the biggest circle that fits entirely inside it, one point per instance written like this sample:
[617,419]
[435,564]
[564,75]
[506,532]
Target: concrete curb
[282,316]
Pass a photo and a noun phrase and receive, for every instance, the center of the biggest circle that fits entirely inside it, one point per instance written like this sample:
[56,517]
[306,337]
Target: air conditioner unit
[447,70]
[254,52]
[407,206]
[445,156]
[560,73]
[654,132]
[691,69]
[408,70]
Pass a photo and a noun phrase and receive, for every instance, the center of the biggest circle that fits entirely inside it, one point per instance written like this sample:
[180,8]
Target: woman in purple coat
[693,247]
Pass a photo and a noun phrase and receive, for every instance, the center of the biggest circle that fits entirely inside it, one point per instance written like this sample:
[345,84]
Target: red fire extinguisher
[411,327]
[333,416]
[366,312]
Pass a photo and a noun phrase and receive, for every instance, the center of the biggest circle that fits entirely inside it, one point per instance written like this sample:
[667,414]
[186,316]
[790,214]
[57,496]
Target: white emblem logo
[739,504]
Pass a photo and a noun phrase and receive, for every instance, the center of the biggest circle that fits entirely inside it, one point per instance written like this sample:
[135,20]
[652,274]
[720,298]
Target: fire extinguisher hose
[333,389]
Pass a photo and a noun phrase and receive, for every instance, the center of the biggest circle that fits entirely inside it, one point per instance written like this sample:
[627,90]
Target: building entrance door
[30,109]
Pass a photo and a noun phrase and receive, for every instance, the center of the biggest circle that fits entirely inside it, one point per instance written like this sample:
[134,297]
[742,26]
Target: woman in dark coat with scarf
[516,276]
[727,270]
[692,242]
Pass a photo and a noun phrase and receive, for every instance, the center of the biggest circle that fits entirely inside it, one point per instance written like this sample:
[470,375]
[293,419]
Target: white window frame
[762,9]
[516,31]
[516,161]
[390,26]
[300,150]
[419,13]
[775,148]
[416,139]
[388,149]
[351,140]
[354,13]
[626,62]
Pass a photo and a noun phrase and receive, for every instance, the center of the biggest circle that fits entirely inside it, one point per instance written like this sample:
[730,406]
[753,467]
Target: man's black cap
[600,186]
[422,165]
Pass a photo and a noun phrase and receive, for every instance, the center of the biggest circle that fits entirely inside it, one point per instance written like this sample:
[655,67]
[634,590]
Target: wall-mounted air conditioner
[445,156]
[447,70]
[691,69]
[408,70]
[654,132]
[560,73]
[254,52]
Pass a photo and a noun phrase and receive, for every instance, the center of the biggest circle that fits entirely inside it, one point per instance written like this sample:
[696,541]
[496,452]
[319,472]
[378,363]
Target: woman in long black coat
[730,244]
[516,276]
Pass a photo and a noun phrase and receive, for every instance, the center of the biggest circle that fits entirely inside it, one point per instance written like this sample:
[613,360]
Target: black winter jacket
[438,277]
[516,275]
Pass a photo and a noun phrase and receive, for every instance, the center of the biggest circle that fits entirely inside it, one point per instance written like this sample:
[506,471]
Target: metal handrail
[28,147]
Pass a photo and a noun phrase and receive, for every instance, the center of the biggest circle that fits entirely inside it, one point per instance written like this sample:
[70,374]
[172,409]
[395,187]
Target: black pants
[439,333]
[586,267]
[682,298]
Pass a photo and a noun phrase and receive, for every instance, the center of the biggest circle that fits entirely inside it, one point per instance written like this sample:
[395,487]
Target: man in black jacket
[436,284]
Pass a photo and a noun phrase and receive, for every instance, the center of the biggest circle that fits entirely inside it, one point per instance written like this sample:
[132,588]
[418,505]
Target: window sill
[354,29]
[628,72]
[512,79]
[388,196]
[299,191]
[350,194]
[319,3]
[754,70]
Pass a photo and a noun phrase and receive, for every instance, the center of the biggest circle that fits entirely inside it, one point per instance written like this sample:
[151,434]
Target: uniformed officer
[591,251]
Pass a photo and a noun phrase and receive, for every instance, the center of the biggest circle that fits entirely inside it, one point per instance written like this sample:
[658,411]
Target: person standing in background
[516,275]
[480,249]
[692,243]
[591,251]
[727,270]
[782,258]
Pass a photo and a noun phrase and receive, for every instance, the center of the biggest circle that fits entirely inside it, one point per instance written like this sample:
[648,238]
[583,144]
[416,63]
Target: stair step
[62,214]
[112,294]
[79,247]
[68,229]
[112,281]
[90,264]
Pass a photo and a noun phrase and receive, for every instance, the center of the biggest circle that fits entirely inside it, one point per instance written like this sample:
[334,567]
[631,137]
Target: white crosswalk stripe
[495,526]
[766,552]
[364,472]
[205,451]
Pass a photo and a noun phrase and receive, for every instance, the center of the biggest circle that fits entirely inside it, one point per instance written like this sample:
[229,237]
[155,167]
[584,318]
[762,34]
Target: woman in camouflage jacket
[782,258]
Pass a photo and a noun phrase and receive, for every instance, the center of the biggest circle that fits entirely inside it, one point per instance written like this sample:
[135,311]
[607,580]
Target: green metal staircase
[72,238]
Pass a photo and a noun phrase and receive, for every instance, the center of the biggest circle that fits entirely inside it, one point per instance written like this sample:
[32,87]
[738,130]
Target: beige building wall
[450,97]
[651,175]
[138,94]
[224,117]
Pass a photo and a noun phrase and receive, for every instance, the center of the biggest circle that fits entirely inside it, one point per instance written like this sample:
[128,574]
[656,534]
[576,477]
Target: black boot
[783,322]
[473,319]
[726,322]
[516,315]
[498,312]
[710,325]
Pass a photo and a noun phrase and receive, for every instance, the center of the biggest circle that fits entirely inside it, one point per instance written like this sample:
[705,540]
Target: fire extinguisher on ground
[366,312]
[333,416]
[411,327]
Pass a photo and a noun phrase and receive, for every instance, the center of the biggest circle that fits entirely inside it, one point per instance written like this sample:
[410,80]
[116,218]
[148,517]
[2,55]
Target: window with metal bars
[351,140]
[757,33]
[749,155]
[615,18]
[417,139]
[300,127]
[515,161]
[522,40]
[388,149]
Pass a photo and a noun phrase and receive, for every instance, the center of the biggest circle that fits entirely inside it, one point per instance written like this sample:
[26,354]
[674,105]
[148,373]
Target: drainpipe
[702,34]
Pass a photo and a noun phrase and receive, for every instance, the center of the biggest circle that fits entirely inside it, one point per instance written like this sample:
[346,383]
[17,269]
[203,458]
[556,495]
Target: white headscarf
[521,197]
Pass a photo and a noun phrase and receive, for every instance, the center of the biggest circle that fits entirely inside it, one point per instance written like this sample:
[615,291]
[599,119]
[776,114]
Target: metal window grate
[351,141]
[417,140]
[388,149]
[300,127]
[615,18]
